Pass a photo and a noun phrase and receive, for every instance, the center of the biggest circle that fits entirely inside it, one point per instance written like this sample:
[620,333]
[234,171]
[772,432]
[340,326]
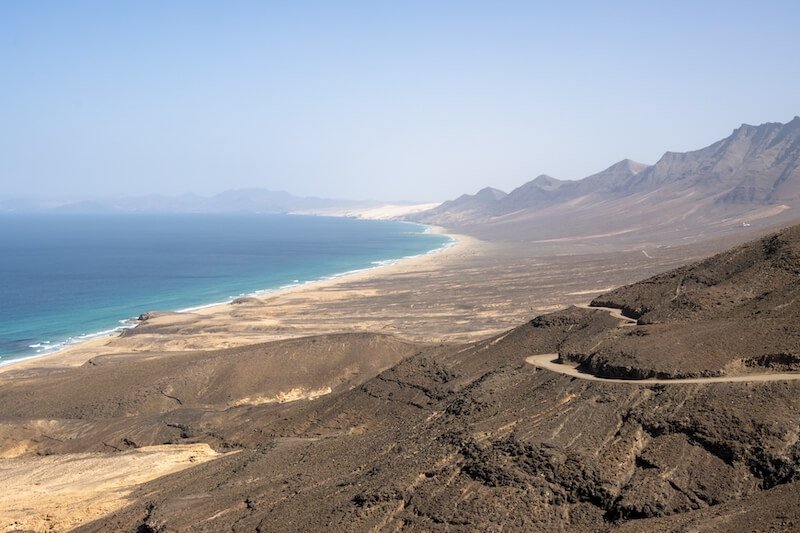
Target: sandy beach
[238,323]
[465,291]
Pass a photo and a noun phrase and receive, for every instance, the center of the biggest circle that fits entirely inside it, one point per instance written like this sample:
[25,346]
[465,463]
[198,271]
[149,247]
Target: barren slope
[734,313]
[472,438]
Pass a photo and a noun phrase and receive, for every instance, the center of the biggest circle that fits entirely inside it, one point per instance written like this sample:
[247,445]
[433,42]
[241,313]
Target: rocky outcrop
[726,315]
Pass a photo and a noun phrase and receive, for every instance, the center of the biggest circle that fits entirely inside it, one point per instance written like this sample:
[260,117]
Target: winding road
[548,361]
[613,311]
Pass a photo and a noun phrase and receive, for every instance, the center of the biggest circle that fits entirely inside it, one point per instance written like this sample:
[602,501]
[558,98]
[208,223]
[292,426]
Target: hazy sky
[389,100]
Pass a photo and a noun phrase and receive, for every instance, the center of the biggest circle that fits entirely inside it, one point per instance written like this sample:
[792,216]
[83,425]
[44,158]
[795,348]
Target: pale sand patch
[292,395]
[394,211]
[60,492]
[19,448]
[383,212]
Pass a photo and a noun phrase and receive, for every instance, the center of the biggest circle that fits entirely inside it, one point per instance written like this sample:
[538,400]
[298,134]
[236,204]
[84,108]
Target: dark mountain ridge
[754,164]
[754,174]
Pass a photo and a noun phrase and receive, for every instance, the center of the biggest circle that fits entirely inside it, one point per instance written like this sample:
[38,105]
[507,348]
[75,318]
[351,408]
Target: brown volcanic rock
[735,312]
[770,510]
[758,277]
[473,440]
[470,438]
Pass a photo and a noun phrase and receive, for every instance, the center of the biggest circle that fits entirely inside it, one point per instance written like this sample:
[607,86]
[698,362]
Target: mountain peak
[634,167]
[746,129]
[543,181]
[490,192]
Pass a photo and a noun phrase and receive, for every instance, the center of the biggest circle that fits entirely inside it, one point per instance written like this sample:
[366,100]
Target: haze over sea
[66,278]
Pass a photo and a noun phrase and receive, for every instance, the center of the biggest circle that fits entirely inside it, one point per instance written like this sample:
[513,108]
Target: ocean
[69,278]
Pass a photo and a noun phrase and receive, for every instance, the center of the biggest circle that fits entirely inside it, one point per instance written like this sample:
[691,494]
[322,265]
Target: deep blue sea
[66,278]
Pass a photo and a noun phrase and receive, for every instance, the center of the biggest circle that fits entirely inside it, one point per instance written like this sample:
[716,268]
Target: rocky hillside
[735,313]
[752,176]
[471,437]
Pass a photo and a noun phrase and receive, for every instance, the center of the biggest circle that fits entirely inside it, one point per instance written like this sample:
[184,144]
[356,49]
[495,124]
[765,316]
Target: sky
[412,100]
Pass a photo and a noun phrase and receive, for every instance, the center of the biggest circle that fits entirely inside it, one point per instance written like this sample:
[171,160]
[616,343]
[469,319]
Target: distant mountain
[756,164]
[467,206]
[536,192]
[489,204]
[754,174]
[231,201]
[614,176]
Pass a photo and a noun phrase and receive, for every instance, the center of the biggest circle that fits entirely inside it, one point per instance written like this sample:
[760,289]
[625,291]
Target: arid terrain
[360,430]
[399,267]
[468,390]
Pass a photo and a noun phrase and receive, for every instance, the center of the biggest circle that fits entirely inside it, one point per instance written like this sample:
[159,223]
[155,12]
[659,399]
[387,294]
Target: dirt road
[548,361]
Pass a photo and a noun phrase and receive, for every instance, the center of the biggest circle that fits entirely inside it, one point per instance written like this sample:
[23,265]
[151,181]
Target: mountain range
[252,200]
[752,176]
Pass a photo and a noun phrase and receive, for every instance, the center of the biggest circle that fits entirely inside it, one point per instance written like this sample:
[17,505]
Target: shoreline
[375,271]
[263,293]
[74,354]
[461,292]
[45,348]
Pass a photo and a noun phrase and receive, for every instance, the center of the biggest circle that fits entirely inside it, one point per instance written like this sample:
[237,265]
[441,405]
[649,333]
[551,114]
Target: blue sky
[401,100]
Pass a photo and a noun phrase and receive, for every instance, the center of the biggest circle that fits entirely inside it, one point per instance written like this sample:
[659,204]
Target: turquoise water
[66,278]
